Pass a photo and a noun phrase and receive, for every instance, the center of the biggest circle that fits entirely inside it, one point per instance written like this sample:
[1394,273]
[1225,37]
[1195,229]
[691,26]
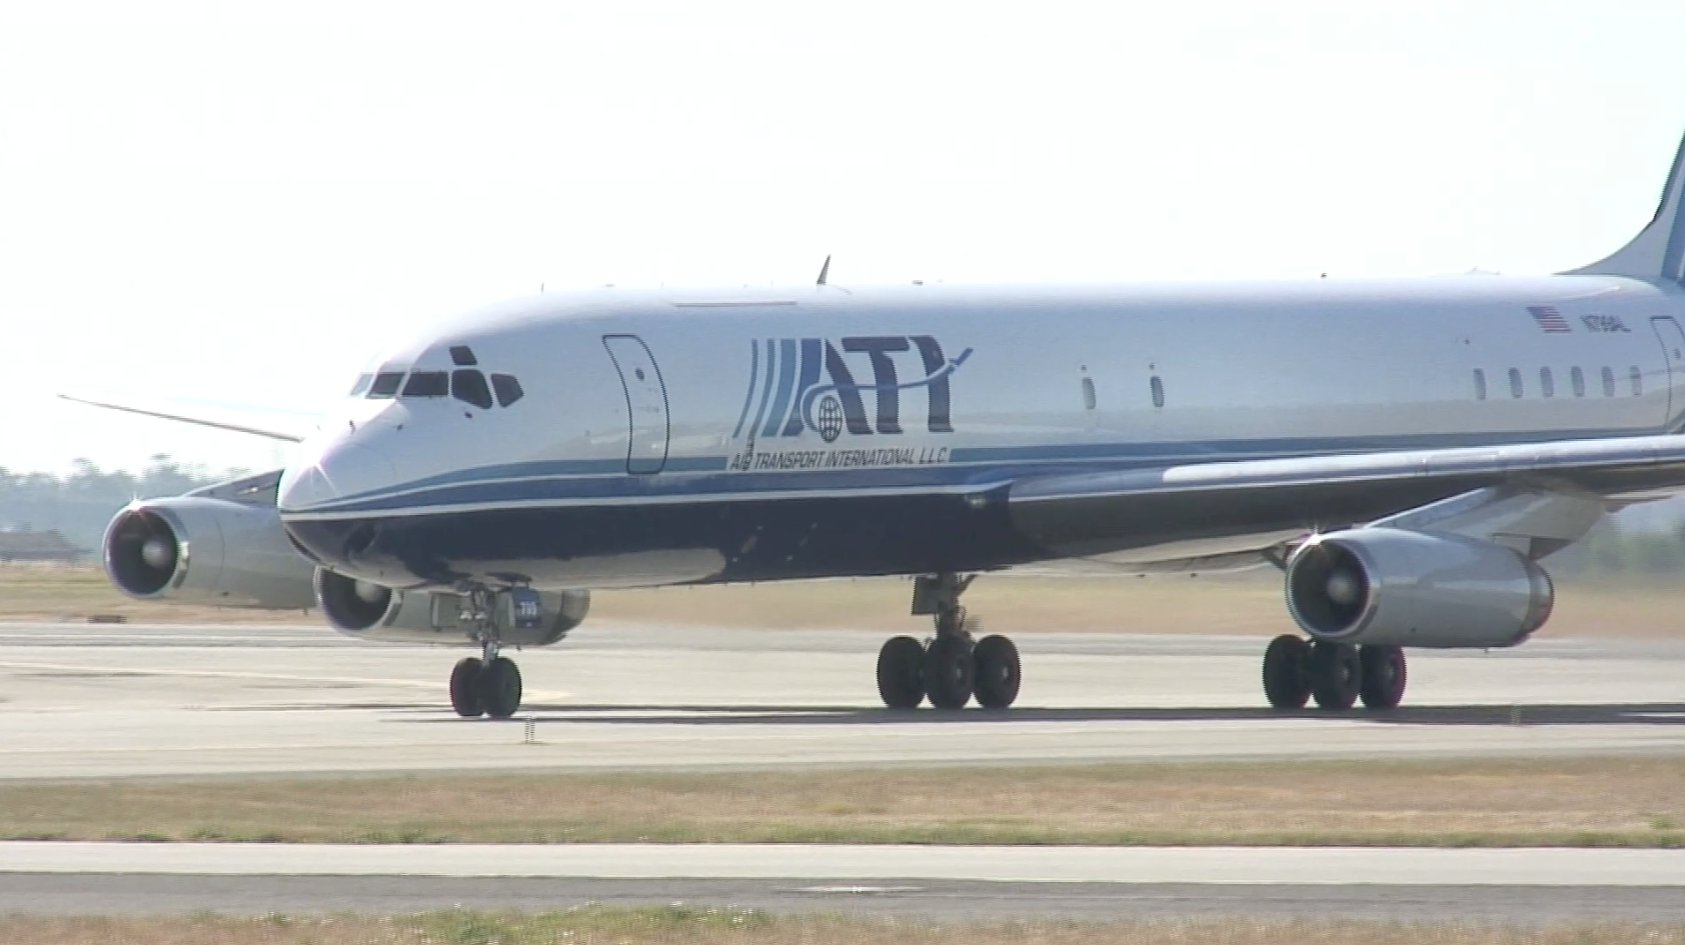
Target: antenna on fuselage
[824,271]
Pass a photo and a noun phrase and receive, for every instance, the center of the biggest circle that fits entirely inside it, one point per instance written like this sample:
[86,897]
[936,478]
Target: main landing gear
[950,668]
[490,685]
[1336,674]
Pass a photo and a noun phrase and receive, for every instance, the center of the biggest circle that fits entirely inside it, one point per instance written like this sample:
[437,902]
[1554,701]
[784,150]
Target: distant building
[38,546]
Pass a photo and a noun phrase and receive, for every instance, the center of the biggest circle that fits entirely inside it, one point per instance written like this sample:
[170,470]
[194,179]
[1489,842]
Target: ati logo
[798,384]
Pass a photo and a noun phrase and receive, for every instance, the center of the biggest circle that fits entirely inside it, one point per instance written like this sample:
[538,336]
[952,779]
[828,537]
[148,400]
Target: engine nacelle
[372,612]
[201,549]
[1405,588]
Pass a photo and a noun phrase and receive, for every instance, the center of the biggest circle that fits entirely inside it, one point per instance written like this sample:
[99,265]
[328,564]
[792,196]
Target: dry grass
[1227,604]
[1241,604]
[54,593]
[682,925]
[1574,802]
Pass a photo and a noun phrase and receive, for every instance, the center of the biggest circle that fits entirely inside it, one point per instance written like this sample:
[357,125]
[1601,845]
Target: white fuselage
[631,403]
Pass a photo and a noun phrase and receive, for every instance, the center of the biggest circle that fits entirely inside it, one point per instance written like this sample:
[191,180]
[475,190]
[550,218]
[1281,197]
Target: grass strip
[1582,802]
[685,925]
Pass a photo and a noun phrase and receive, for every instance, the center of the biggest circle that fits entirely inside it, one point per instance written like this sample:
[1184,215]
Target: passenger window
[508,389]
[1088,398]
[1547,386]
[1637,377]
[427,384]
[1577,377]
[1608,381]
[1515,383]
[1158,391]
[385,385]
[469,386]
[1479,384]
[362,386]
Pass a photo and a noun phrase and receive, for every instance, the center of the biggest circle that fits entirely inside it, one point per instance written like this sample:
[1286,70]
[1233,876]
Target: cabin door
[1673,355]
[646,403]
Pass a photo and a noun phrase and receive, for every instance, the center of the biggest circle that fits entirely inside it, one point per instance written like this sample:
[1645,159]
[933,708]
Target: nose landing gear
[490,685]
[950,668]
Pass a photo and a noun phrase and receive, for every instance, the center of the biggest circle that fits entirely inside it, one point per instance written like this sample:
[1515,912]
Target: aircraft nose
[341,471]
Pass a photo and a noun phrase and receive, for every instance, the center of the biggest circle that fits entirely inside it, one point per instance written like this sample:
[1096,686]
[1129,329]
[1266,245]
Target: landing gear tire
[901,673]
[1286,672]
[949,672]
[1336,675]
[1384,676]
[996,672]
[499,688]
[465,694]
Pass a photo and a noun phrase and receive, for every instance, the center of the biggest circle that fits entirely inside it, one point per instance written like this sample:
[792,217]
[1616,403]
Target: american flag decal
[1550,320]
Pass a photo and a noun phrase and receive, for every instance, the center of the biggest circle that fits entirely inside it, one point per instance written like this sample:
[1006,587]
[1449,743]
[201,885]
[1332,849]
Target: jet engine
[1406,588]
[222,545]
[373,612]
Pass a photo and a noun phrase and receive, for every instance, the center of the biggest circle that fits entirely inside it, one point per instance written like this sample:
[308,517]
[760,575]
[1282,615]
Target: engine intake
[199,549]
[372,612]
[1406,588]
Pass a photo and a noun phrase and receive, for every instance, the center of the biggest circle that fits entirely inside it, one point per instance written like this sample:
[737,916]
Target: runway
[940,882]
[118,701]
[81,701]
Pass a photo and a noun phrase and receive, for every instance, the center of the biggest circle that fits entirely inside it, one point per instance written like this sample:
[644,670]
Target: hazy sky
[206,202]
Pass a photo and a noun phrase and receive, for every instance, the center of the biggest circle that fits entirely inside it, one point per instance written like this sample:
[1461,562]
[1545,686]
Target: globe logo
[830,419]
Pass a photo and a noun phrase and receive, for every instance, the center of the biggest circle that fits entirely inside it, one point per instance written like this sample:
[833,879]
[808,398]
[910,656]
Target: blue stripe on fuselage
[749,396]
[562,482]
[786,386]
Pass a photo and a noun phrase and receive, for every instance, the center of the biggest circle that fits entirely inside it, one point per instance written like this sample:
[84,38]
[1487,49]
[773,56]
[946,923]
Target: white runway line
[1192,865]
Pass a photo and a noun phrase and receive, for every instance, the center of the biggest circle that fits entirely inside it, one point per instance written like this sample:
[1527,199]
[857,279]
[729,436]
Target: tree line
[1643,541]
[79,504]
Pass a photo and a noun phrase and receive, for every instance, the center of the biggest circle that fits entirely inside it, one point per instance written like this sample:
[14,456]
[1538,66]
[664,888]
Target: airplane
[1407,452]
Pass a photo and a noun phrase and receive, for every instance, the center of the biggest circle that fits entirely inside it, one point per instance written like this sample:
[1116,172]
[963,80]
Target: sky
[237,203]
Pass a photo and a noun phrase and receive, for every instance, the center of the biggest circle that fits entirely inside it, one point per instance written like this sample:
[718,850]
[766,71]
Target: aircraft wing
[1082,513]
[286,427]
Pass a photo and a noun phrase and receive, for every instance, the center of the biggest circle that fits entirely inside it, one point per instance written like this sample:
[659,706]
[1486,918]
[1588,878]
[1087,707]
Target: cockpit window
[362,386]
[508,389]
[469,386]
[463,356]
[386,385]
[427,384]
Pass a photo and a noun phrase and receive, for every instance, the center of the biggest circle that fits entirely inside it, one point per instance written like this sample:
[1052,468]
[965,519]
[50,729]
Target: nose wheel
[491,684]
[465,693]
[479,687]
